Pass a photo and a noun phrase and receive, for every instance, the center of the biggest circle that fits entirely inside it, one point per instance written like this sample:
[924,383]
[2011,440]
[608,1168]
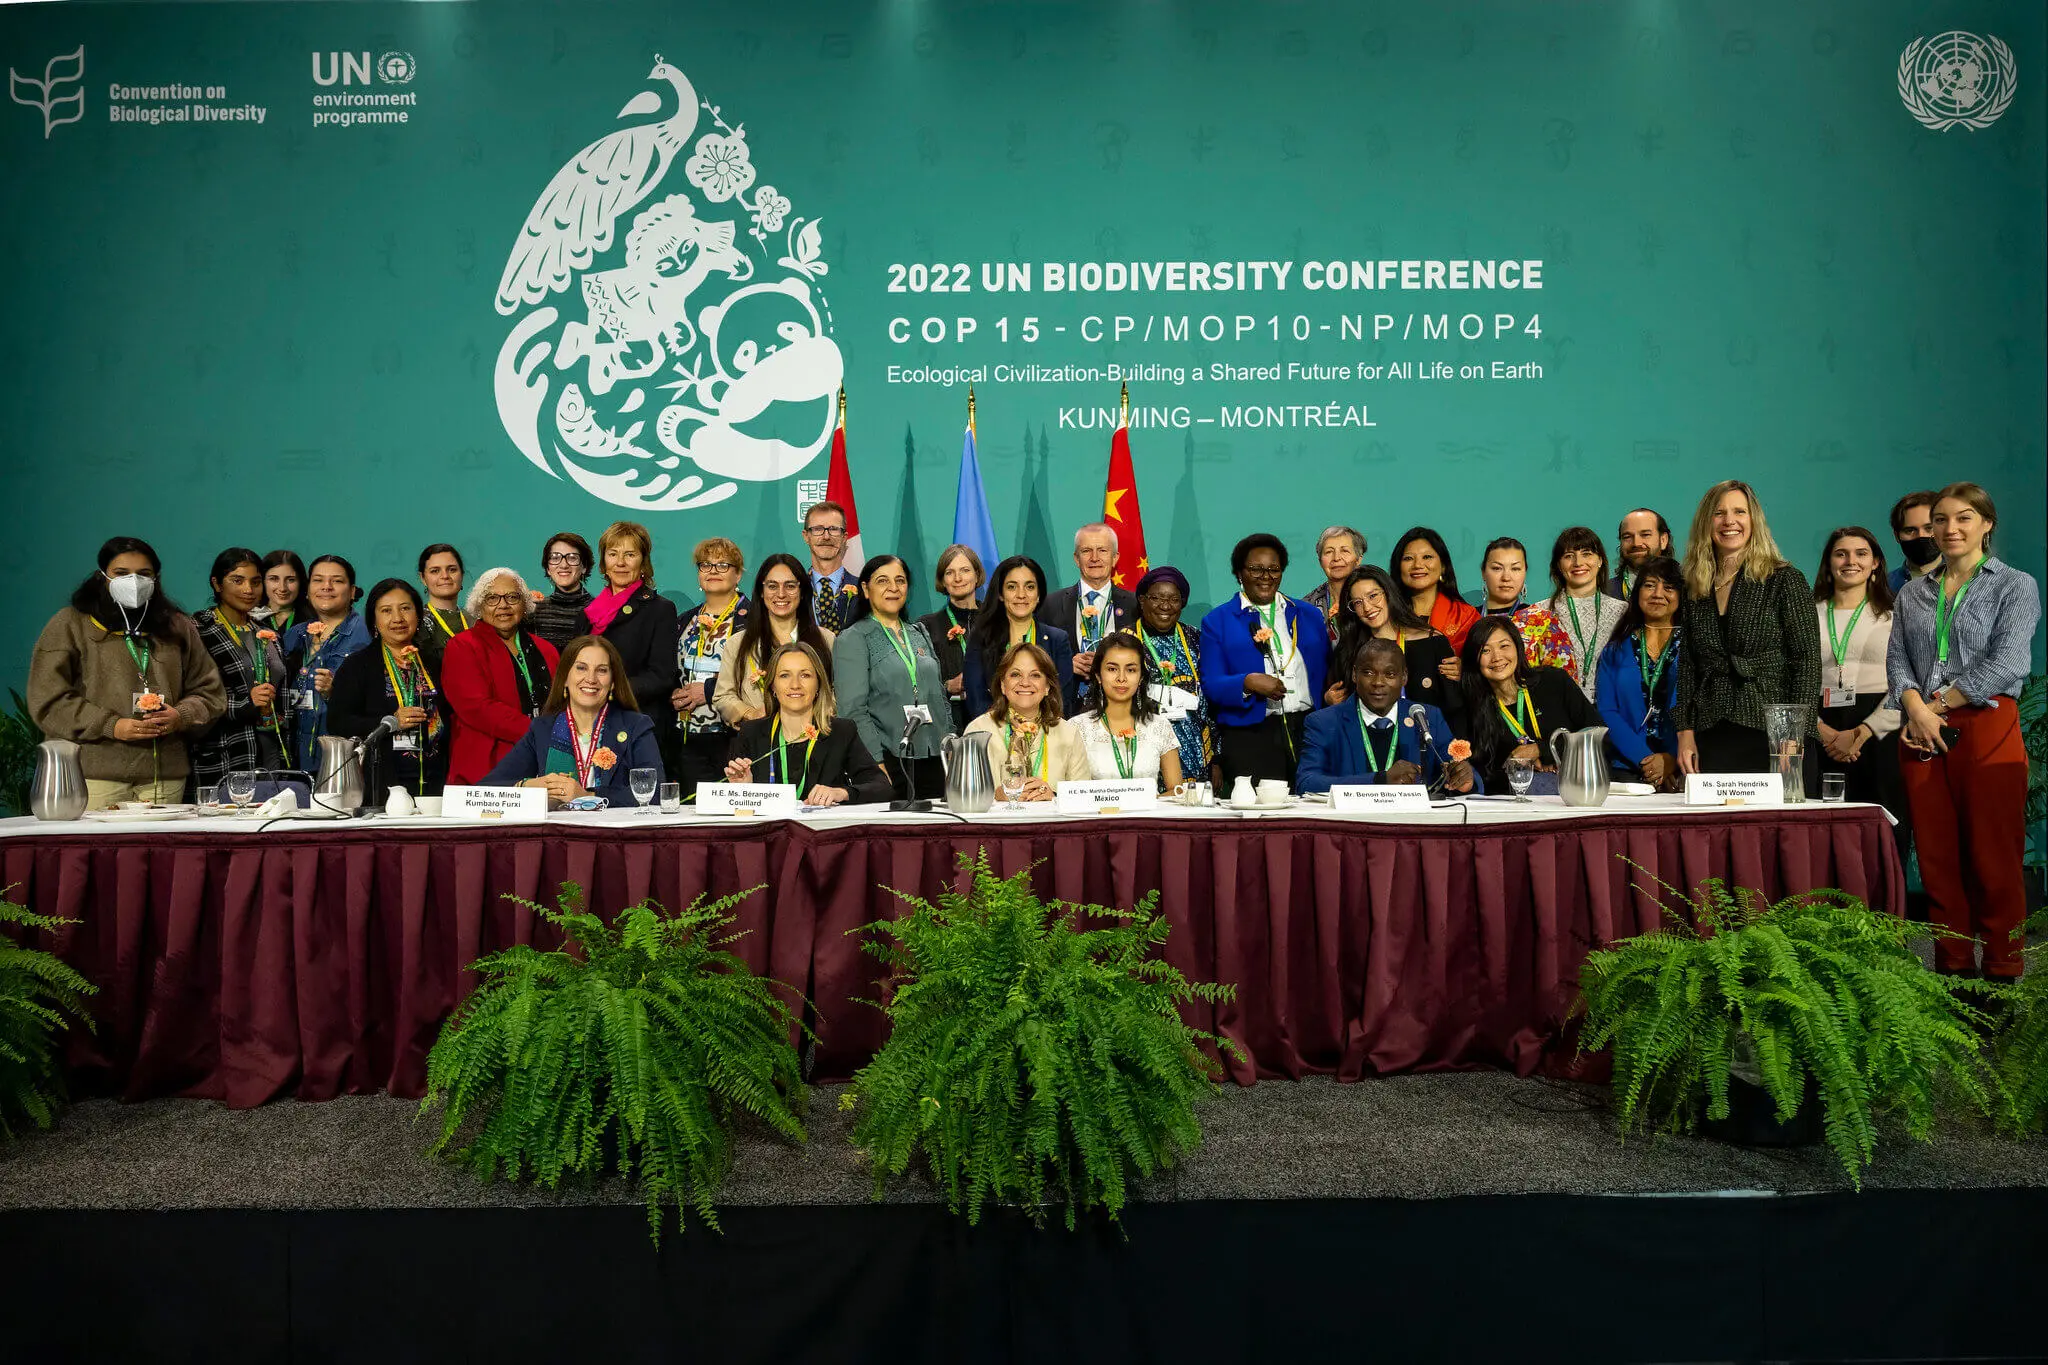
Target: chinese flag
[1120,510]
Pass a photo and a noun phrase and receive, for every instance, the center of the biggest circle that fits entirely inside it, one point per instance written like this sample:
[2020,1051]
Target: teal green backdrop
[337,333]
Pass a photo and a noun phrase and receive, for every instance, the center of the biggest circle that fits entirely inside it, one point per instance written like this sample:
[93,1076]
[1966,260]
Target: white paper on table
[747,798]
[1105,797]
[1745,789]
[1370,798]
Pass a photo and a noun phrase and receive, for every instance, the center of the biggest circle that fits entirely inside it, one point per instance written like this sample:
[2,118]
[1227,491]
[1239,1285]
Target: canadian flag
[839,489]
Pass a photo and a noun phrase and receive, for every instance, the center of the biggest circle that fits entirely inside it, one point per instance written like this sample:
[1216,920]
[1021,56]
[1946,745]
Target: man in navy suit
[1373,739]
[1095,606]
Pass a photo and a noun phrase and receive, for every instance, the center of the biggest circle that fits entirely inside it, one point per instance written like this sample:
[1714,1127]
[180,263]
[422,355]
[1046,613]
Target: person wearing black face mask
[1913,528]
[122,673]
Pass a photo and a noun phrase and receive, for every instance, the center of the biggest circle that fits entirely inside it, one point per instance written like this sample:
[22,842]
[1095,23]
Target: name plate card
[1105,798]
[508,805]
[1734,789]
[747,798]
[1378,798]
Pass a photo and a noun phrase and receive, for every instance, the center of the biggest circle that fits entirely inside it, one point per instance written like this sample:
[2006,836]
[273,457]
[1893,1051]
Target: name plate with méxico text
[507,805]
[1104,798]
[1734,789]
[747,798]
[1378,798]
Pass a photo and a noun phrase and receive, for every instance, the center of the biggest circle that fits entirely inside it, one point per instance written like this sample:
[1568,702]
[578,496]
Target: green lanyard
[1166,665]
[1378,764]
[1527,710]
[1010,746]
[1840,643]
[905,652]
[139,654]
[1945,609]
[782,747]
[402,680]
[519,662]
[1653,676]
[1272,616]
[1571,604]
[1125,762]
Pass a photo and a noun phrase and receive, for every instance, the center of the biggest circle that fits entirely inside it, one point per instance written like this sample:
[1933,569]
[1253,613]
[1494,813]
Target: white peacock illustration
[691,331]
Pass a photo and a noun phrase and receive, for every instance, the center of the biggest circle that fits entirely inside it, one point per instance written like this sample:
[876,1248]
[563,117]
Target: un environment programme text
[1397,340]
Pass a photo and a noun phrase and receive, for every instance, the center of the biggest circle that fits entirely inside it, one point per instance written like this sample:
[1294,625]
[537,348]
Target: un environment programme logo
[696,354]
[1957,78]
[58,106]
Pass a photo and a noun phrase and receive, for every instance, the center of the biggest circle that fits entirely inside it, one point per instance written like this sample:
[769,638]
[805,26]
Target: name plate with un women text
[1734,789]
[1378,798]
[1105,798]
[747,798]
[508,805]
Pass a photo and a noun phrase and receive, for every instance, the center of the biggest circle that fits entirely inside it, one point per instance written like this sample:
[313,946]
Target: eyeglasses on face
[502,599]
[824,532]
[1257,571]
[565,557]
[717,566]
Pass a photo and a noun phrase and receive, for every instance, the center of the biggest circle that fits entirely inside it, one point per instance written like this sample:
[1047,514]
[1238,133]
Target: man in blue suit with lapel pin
[1373,738]
[1263,660]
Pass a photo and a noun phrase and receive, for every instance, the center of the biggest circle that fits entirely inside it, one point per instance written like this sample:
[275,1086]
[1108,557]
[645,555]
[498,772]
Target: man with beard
[1644,535]
[1913,528]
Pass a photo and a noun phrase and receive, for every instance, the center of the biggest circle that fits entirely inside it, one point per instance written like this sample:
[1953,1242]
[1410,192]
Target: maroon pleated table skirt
[315,962]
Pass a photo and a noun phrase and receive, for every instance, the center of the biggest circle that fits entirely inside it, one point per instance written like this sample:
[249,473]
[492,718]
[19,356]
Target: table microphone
[1419,715]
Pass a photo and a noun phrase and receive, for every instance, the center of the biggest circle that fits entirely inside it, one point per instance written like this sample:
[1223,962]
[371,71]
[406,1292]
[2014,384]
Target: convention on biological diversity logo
[1957,79]
[703,342]
[48,94]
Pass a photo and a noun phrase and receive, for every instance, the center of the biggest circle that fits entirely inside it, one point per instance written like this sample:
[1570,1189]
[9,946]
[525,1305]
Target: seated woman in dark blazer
[590,734]
[1512,710]
[802,743]
[391,677]
[1007,618]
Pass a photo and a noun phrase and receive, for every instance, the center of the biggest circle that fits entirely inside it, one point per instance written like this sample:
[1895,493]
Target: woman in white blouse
[1853,600]
[1125,735]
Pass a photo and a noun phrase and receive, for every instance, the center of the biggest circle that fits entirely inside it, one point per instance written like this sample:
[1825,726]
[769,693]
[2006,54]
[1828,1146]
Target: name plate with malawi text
[1378,798]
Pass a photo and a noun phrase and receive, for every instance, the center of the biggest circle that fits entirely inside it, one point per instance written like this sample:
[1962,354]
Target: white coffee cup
[1272,791]
[428,805]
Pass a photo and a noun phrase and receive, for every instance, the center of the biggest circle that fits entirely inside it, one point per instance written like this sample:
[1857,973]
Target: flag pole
[970,407]
[1124,406]
[842,407]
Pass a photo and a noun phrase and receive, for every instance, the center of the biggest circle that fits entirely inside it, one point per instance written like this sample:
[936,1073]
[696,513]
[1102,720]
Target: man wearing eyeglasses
[833,585]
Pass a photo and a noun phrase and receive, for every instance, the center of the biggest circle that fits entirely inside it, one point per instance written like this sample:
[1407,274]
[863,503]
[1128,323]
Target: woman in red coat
[494,676]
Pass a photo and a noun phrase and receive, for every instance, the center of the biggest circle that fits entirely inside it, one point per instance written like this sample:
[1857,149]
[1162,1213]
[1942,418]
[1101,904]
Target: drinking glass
[241,785]
[671,797]
[1013,785]
[1834,786]
[209,796]
[1521,776]
[643,782]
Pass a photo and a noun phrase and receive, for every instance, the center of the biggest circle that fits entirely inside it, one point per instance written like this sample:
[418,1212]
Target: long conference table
[315,959]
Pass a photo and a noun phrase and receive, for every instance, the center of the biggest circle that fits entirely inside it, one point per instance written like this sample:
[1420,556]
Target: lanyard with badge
[1946,609]
[1378,764]
[899,640]
[139,655]
[1175,701]
[1652,675]
[1841,694]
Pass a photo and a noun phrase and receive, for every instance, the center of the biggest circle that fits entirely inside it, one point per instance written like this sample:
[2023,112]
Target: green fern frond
[41,997]
[635,1048]
[1814,988]
[1036,1054]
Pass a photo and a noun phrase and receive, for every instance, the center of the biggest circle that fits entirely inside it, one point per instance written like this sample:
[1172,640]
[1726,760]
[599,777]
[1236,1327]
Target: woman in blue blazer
[590,734]
[1009,616]
[1264,657]
[1637,688]
[1372,738]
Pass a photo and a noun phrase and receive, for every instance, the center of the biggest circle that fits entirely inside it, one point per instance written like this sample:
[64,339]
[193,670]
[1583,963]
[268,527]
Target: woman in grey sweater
[887,674]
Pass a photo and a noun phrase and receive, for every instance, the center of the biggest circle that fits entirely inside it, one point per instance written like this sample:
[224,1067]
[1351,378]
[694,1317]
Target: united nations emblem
[397,68]
[1957,78]
[703,358]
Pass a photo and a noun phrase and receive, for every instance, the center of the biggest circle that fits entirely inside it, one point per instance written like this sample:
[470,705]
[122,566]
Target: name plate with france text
[1378,798]
[507,805]
[1734,789]
[1106,797]
[747,798]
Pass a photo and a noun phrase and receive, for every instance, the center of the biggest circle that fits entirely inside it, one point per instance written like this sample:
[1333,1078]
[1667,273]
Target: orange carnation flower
[1460,750]
[149,703]
[605,759]
[1262,636]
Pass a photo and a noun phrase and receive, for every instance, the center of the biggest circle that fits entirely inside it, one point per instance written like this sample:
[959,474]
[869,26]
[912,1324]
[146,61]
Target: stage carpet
[1467,1217]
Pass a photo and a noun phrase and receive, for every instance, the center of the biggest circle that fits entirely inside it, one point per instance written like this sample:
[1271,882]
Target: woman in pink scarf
[639,622]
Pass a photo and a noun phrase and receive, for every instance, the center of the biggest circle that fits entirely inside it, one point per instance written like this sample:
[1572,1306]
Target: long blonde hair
[1760,557]
[822,705]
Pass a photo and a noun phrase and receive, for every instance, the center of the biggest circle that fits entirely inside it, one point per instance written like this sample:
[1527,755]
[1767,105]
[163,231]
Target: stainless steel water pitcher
[58,792]
[970,785]
[340,787]
[1581,757]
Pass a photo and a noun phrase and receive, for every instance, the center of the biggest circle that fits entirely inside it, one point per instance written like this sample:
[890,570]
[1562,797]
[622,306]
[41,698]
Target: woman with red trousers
[1960,652]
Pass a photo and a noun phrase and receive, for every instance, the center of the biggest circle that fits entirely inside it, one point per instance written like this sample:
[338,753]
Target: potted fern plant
[635,1047]
[1816,1006]
[1036,1051]
[40,998]
[2022,1043]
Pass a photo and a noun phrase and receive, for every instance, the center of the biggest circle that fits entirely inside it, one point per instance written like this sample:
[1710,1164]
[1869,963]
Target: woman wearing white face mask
[121,672]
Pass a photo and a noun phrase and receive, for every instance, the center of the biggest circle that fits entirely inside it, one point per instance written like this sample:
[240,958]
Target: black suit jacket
[645,632]
[840,760]
[1063,609]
